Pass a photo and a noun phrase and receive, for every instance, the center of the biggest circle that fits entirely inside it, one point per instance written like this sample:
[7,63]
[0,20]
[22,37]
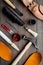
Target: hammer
[31,41]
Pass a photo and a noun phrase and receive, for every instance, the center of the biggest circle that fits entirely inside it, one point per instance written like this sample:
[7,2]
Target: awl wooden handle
[10,4]
[33,33]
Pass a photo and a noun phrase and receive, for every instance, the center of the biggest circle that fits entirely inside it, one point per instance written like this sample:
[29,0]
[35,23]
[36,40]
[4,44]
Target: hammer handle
[22,53]
[12,16]
[10,4]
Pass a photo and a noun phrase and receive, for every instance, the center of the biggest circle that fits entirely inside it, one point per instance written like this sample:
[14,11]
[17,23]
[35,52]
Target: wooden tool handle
[12,16]
[22,53]
[10,4]
[32,32]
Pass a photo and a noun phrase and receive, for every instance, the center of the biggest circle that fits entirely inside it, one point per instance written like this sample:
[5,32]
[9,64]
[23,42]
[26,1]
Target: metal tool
[8,40]
[13,7]
[31,41]
[15,36]
[10,14]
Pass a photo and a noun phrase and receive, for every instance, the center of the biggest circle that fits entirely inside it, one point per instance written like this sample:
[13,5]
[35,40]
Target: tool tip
[14,46]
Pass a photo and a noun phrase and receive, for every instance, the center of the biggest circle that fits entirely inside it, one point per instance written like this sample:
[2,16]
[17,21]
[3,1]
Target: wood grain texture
[38,27]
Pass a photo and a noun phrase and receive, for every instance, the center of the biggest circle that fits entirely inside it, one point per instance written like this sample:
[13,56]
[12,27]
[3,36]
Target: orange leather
[34,59]
[5,52]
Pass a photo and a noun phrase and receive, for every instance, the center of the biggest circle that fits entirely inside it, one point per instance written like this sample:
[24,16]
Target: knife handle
[10,4]
[12,16]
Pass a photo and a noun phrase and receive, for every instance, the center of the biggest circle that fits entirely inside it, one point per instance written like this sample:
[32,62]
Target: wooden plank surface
[38,27]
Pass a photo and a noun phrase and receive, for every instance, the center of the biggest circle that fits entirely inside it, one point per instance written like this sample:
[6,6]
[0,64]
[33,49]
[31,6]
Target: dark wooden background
[38,27]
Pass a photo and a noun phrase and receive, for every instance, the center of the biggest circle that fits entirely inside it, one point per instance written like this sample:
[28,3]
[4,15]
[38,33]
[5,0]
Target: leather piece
[5,52]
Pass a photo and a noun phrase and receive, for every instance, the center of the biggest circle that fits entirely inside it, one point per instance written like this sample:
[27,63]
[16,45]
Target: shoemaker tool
[10,14]
[13,7]
[8,40]
[23,52]
[30,39]
[15,36]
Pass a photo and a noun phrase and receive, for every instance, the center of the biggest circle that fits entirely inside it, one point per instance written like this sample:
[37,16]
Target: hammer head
[28,39]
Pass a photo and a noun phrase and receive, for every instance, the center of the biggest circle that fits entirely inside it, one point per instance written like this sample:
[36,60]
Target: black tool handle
[12,16]
[13,7]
